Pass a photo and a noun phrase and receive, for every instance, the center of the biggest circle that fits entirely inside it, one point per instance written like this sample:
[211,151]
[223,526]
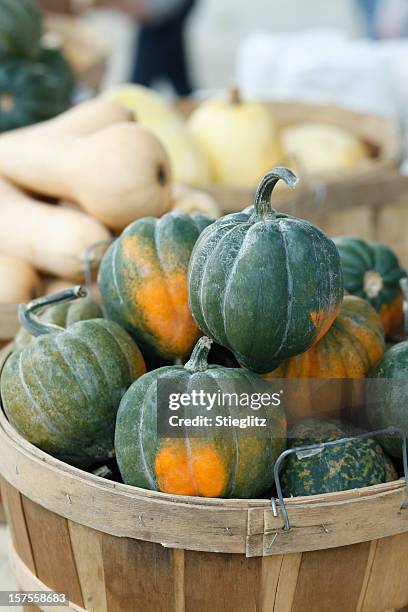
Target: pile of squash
[73,181]
[209,304]
[36,82]
[233,142]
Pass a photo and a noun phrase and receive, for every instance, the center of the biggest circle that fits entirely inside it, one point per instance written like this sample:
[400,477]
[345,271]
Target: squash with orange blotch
[264,284]
[372,271]
[352,346]
[221,462]
[143,283]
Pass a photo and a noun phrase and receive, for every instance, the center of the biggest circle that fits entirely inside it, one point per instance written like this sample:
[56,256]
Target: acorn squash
[62,391]
[21,28]
[264,284]
[353,465]
[62,315]
[351,347]
[30,93]
[387,393]
[372,271]
[143,282]
[232,464]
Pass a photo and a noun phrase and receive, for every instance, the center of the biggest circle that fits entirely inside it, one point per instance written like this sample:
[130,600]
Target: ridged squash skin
[62,391]
[63,315]
[30,93]
[264,284]
[143,282]
[353,465]
[232,464]
[372,271]
[21,28]
[387,393]
[352,346]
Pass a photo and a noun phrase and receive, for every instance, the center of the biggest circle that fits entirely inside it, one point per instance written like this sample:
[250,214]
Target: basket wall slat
[138,576]
[90,571]
[63,577]
[28,581]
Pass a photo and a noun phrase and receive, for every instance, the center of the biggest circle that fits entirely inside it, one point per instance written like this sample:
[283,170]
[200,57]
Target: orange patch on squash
[323,322]
[162,299]
[164,302]
[392,315]
[199,472]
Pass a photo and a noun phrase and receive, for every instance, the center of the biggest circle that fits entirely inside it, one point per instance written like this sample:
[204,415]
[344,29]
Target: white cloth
[329,67]
[325,66]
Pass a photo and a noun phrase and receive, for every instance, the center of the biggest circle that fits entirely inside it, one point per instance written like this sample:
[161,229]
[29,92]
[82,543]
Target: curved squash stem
[26,313]
[198,361]
[263,206]
[90,258]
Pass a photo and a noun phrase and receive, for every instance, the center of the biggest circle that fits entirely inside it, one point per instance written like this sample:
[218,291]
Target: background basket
[378,133]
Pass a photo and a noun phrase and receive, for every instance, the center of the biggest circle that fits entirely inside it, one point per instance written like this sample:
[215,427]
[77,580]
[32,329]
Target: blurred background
[216,29]
[347,53]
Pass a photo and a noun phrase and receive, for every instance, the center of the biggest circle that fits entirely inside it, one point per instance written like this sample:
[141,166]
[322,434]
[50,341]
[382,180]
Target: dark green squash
[143,282]
[228,464]
[62,315]
[21,28]
[30,93]
[62,391]
[55,60]
[387,396]
[372,271]
[264,284]
[355,464]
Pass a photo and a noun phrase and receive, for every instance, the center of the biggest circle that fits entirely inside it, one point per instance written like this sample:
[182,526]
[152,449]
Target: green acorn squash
[143,282]
[62,315]
[55,60]
[231,464]
[21,29]
[62,391]
[372,271]
[387,393]
[30,93]
[264,284]
[352,465]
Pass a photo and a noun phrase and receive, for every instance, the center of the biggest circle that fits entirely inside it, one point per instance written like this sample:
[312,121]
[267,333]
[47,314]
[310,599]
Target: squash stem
[234,95]
[93,255]
[26,313]
[263,206]
[198,361]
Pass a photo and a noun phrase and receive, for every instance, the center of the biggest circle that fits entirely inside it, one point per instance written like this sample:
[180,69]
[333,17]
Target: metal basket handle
[320,447]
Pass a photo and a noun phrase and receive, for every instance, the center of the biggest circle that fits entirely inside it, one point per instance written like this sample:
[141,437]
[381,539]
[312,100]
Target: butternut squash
[117,173]
[50,238]
[86,118]
[19,282]
[188,161]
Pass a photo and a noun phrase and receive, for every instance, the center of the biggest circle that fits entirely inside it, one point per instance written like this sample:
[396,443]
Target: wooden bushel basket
[113,547]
